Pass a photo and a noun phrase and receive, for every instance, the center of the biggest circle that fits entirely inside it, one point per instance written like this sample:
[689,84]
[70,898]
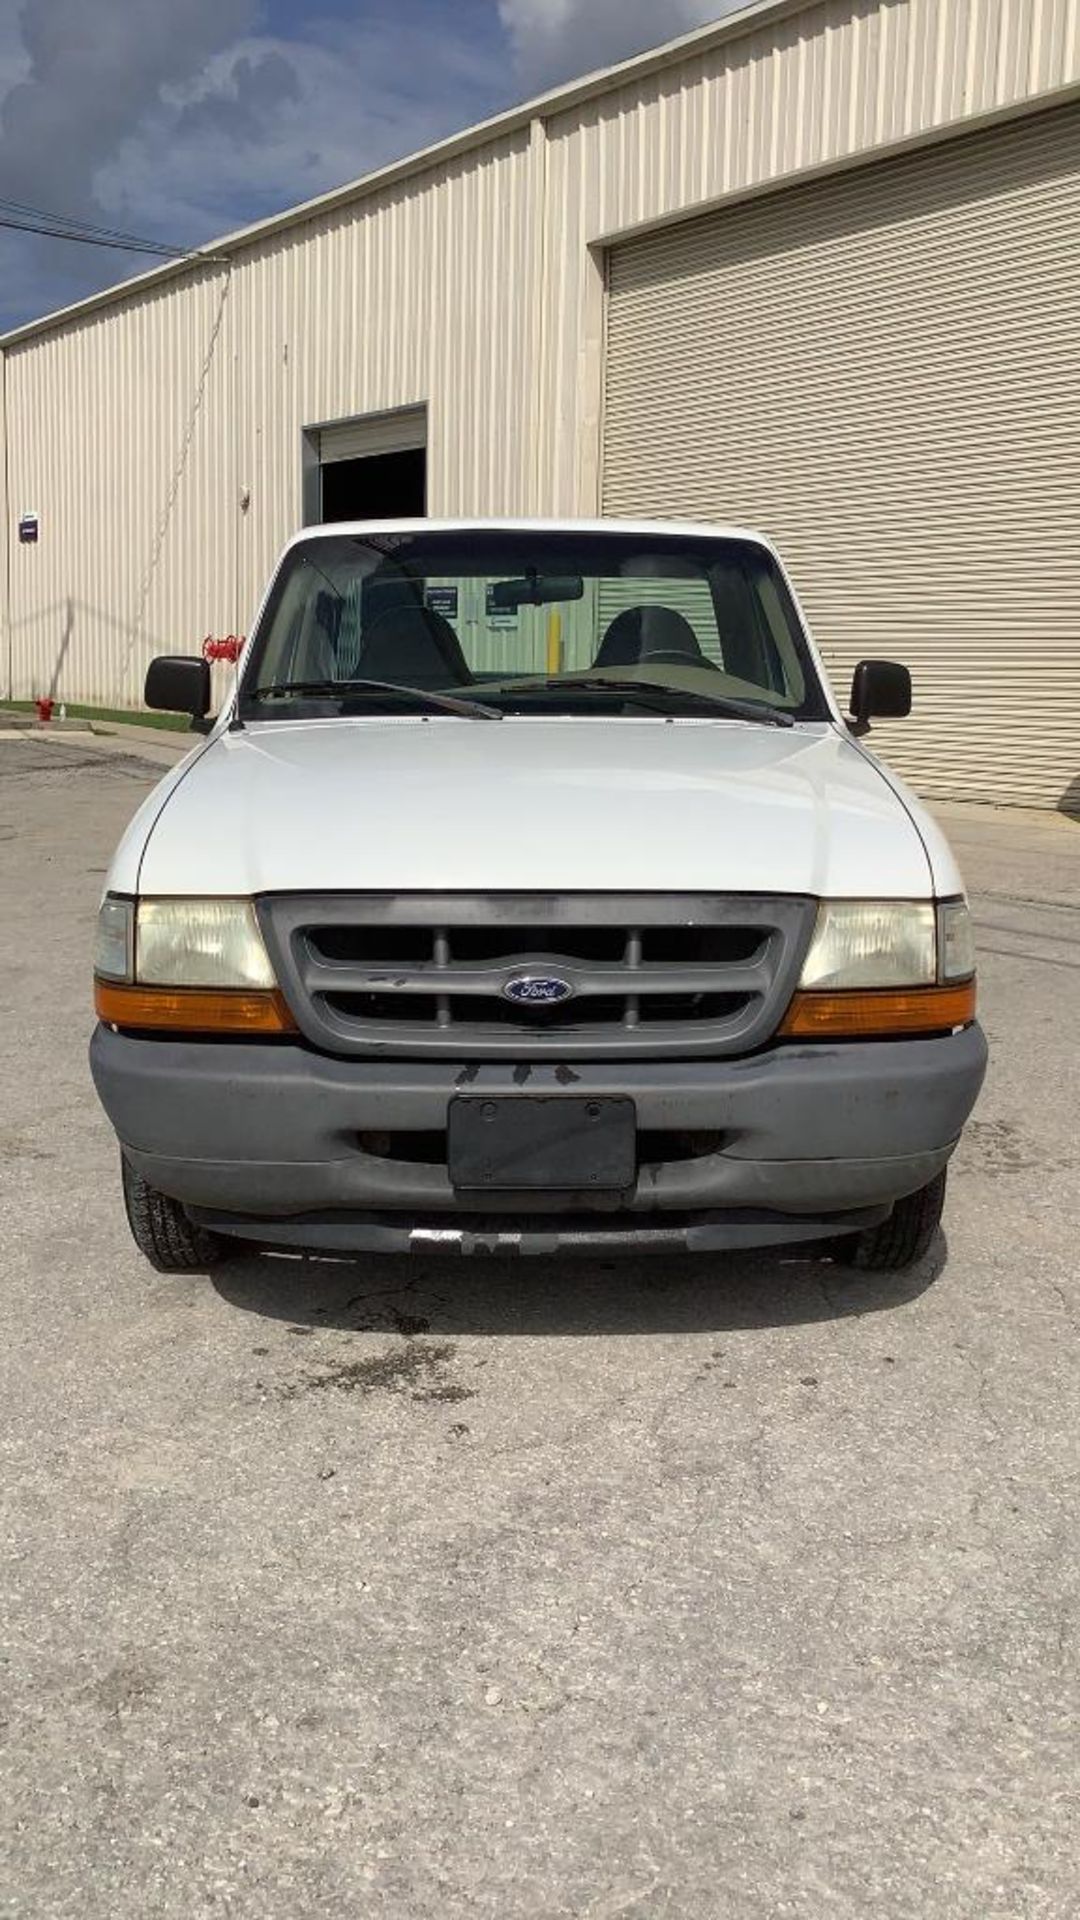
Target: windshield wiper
[655,694]
[415,696]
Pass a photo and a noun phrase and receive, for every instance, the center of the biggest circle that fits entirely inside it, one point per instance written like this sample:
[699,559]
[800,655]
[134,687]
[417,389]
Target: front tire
[162,1230]
[902,1240]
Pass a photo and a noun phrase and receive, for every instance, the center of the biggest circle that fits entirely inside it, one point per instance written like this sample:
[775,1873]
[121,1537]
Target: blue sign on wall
[443,600]
[28,529]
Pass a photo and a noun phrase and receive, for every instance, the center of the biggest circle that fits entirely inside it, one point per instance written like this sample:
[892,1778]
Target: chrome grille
[418,975]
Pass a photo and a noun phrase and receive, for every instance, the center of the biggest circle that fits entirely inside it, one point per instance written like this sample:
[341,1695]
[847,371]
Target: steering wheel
[674,657]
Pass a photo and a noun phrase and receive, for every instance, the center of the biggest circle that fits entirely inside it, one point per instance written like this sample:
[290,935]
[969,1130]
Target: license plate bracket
[554,1143]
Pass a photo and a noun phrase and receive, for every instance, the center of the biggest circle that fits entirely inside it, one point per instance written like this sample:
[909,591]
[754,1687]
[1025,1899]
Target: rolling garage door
[882,371]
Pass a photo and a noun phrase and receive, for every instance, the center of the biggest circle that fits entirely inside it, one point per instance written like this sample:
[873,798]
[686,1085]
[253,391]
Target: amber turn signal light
[191,1009]
[853,1015]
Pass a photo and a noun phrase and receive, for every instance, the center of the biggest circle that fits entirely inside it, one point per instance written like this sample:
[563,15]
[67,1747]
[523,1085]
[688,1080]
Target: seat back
[639,632]
[412,645]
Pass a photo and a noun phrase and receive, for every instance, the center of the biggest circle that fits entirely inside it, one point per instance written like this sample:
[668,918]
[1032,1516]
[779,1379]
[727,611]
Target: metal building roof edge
[545,106]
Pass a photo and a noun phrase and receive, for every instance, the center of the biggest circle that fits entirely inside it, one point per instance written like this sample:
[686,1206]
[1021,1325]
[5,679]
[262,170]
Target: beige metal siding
[140,430]
[115,440]
[818,86]
[159,434]
[883,372]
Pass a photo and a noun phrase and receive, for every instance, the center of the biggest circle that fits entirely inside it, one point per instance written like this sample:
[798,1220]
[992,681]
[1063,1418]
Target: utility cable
[69,221]
[85,235]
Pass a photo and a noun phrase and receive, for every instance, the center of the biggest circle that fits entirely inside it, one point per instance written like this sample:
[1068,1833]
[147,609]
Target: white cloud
[273,121]
[202,124]
[555,40]
[84,82]
[202,120]
[14,59]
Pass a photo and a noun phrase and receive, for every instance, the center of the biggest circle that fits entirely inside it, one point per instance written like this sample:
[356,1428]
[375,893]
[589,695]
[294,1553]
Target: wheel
[162,1231]
[901,1240]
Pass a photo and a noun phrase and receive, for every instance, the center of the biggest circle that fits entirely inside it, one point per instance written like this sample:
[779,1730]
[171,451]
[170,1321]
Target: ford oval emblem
[538,990]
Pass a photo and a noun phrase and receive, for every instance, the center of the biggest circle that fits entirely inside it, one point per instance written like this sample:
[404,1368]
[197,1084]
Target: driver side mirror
[880,690]
[180,683]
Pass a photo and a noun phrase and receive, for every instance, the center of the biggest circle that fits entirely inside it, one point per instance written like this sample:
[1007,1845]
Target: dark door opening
[382,486]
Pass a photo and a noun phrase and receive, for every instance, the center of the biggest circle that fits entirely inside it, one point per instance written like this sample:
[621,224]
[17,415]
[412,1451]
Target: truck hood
[531,805]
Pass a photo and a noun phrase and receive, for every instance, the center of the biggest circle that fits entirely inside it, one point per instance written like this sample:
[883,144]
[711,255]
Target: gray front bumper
[270,1132]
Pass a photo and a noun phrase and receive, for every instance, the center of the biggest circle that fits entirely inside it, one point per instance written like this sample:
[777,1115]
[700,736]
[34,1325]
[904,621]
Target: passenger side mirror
[880,690]
[179,683]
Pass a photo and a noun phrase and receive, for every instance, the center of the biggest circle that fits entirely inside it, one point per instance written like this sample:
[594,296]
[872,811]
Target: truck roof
[649,529]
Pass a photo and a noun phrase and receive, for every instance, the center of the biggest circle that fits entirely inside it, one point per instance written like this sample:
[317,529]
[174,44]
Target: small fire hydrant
[228,649]
[44,706]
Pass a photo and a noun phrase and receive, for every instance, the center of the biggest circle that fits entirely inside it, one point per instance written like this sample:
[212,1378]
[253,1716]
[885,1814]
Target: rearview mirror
[880,690]
[538,590]
[179,683]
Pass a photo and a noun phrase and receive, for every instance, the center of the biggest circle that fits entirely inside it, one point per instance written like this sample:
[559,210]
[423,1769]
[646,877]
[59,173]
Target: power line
[54,226]
[91,239]
[69,221]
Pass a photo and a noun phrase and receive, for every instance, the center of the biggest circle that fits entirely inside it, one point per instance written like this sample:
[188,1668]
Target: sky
[181,119]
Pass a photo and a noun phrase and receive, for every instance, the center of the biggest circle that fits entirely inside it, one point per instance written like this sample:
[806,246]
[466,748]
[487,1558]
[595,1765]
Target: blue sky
[180,119]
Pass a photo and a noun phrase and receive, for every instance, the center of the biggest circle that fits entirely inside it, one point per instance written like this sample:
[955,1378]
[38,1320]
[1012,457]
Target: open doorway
[373,467]
[382,486]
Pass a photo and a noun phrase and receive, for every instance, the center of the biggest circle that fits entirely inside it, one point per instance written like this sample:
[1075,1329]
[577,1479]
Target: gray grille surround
[421,975]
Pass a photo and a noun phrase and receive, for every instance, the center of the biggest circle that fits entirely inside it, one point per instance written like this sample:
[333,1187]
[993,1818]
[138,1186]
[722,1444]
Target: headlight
[885,968]
[185,967]
[200,943]
[872,943]
[956,941]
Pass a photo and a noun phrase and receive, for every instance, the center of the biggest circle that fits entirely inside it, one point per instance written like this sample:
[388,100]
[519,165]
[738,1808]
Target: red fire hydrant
[44,706]
[228,649]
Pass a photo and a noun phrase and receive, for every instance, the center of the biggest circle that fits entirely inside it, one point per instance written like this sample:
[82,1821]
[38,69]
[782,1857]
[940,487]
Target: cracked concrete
[540,1591]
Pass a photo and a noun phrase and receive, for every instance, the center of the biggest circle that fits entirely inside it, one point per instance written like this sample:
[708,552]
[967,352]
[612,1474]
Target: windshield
[530,623]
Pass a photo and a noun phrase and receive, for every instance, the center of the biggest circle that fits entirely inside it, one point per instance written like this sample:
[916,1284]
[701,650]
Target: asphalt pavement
[609,1591]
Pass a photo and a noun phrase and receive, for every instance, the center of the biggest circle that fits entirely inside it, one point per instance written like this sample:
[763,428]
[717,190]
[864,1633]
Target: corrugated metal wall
[883,372]
[419,295]
[814,89]
[138,430]
[118,439]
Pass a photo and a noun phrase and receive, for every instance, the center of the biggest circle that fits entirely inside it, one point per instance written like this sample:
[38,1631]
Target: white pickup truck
[531,893]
